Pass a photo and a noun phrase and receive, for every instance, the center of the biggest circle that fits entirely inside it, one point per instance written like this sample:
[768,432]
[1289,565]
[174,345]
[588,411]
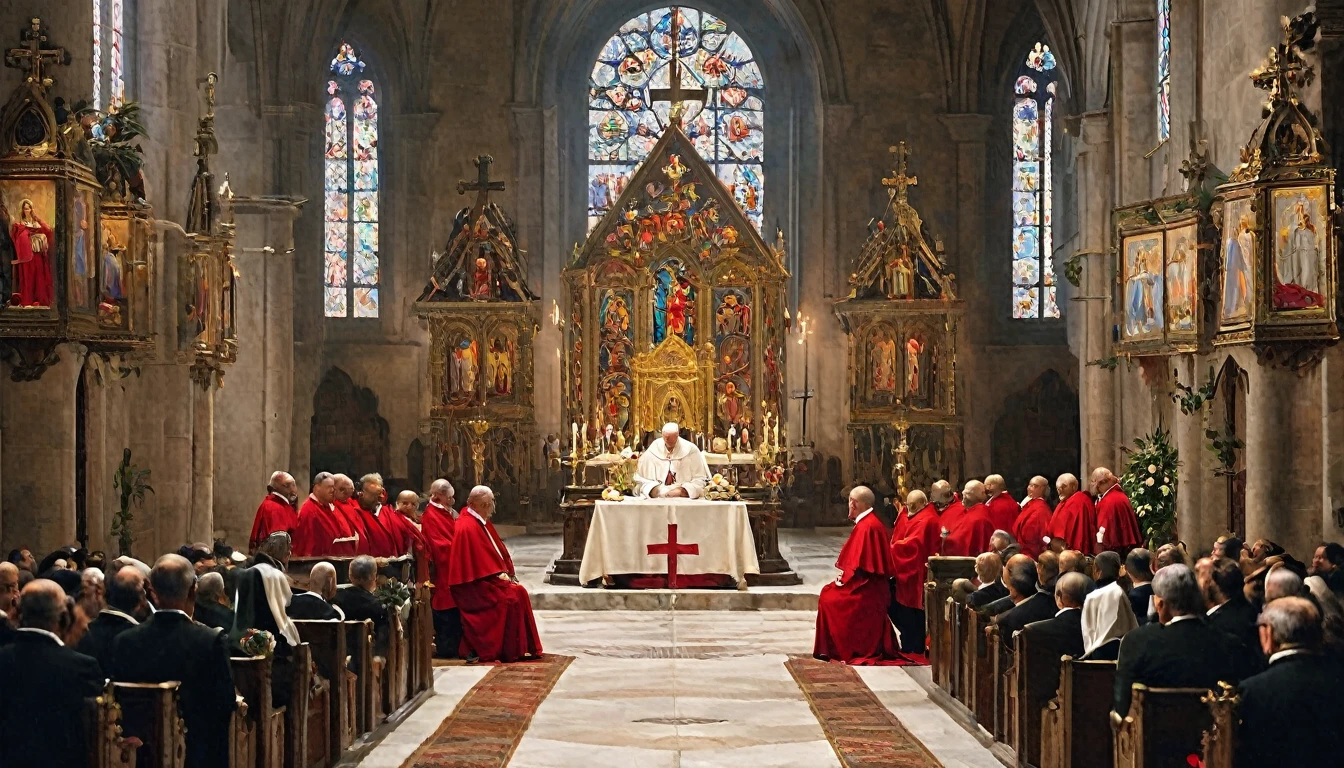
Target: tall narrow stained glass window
[1163,69]
[625,120]
[1033,107]
[108,46]
[350,237]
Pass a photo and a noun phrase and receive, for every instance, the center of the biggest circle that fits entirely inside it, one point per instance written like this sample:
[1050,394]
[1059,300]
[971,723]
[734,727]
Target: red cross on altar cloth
[672,549]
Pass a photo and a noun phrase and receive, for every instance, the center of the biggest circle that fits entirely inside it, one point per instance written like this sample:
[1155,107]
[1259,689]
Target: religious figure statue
[900,274]
[112,270]
[1297,264]
[884,365]
[1237,275]
[501,367]
[462,370]
[480,279]
[679,303]
[913,348]
[731,403]
[83,261]
[31,267]
[733,316]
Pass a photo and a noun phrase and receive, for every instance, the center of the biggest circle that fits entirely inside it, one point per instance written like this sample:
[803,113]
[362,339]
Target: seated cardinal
[852,623]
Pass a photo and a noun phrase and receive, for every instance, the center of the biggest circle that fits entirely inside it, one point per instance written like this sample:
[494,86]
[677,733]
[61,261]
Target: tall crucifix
[675,93]
[483,186]
[32,58]
[899,183]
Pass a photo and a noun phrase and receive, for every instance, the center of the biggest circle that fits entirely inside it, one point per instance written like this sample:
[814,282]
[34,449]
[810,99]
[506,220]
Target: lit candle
[574,435]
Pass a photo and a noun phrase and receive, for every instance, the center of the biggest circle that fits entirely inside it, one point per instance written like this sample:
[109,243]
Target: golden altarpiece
[901,316]
[74,261]
[482,323]
[675,311]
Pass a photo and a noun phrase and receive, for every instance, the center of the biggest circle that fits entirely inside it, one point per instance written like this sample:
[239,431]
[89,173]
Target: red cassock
[350,510]
[1032,526]
[406,537]
[852,623]
[497,621]
[971,536]
[323,532]
[1003,511]
[437,527]
[379,534]
[1075,521]
[910,554]
[274,514]
[1116,515]
[951,516]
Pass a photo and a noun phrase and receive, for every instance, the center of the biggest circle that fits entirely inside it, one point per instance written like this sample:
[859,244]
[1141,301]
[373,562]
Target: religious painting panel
[934,454]
[733,357]
[1299,248]
[880,384]
[674,301]
[1143,314]
[746,183]
[874,454]
[115,285]
[464,360]
[605,185]
[1239,259]
[616,346]
[193,301]
[82,274]
[501,362]
[1182,283]
[918,371]
[28,215]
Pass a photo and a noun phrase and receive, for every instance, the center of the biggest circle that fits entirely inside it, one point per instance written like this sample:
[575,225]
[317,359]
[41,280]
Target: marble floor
[683,689]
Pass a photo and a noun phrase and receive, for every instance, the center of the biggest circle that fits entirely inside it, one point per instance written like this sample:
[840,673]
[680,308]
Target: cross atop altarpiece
[899,183]
[675,93]
[32,58]
[483,186]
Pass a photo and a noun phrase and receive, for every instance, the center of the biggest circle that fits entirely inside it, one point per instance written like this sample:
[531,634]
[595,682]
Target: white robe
[686,463]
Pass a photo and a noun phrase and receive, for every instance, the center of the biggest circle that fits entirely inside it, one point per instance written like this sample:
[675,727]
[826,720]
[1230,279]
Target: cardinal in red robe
[852,623]
[970,536]
[437,527]
[276,512]
[1117,525]
[405,532]
[920,538]
[1003,508]
[497,620]
[940,493]
[322,530]
[348,506]
[1033,522]
[1074,523]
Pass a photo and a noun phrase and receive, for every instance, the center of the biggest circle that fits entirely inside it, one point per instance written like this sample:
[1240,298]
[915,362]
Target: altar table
[693,536]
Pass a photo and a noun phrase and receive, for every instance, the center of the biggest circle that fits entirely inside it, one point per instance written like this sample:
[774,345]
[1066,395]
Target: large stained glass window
[1033,106]
[626,116]
[1163,69]
[350,274]
[108,45]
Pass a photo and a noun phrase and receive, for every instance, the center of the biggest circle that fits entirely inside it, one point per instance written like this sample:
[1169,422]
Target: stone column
[1091,311]
[1332,444]
[966,250]
[201,519]
[538,215]
[1283,472]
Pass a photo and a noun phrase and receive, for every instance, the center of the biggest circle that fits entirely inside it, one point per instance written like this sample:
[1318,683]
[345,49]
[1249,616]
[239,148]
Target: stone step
[551,598]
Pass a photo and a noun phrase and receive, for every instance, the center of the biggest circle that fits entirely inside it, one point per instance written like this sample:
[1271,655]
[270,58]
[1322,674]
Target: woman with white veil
[1107,616]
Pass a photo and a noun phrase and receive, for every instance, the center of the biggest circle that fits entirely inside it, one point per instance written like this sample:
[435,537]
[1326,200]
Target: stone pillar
[1283,472]
[534,211]
[1091,312]
[966,251]
[201,519]
[1332,445]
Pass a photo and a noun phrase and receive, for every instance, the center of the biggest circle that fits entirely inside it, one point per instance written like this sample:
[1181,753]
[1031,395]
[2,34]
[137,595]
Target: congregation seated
[1004,544]
[1327,563]
[355,600]
[1139,569]
[263,596]
[1032,600]
[852,622]
[1291,712]
[1230,612]
[9,600]
[989,574]
[127,606]
[1065,627]
[1106,616]
[1181,650]
[316,604]
[212,603]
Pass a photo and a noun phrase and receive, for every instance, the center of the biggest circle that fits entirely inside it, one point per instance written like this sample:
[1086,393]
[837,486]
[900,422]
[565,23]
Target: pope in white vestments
[671,467]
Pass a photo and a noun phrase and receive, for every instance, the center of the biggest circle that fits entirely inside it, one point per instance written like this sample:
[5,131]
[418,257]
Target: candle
[776,433]
[574,435]
[746,441]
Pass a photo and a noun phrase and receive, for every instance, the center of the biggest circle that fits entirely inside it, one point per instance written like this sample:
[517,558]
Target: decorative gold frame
[673,369]
[1161,217]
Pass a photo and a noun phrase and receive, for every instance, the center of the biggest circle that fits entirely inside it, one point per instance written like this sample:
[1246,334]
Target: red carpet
[863,732]
[490,720]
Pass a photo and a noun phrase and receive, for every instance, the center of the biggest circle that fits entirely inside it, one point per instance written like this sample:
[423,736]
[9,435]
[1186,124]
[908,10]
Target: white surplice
[684,467]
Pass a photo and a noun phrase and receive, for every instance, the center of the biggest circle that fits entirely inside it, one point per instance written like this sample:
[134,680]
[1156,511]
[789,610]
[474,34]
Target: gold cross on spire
[675,93]
[899,182]
[483,186]
[32,58]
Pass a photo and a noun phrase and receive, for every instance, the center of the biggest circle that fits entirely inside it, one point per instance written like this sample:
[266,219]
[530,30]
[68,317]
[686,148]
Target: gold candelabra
[476,429]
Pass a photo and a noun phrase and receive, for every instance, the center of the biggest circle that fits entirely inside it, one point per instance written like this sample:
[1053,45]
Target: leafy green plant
[1192,400]
[1073,270]
[117,162]
[1105,363]
[132,484]
[392,593]
[1150,481]
[1225,447]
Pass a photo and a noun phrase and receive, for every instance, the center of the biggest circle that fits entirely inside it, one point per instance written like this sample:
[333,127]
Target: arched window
[108,46]
[350,276]
[1163,70]
[625,119]
[1033,106]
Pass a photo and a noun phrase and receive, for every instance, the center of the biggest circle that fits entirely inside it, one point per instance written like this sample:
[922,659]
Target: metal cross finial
[675,93]
[899,183]
[32,57]
[483,185]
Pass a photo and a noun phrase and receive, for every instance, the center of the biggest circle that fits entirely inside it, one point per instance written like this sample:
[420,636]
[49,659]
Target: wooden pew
[108,748]
[422,642]
[242,737]
[1163,728]
[252,678]
[359,645]
[326,639]
[307,717]
[1076,726]
[956,631]
[942,571]
[150,714]
[1220,740]
[1036,679]
[397,675]
[1005,693]
[979,675]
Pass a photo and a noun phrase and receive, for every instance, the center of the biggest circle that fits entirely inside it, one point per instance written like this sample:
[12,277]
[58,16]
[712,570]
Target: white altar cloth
[621,532]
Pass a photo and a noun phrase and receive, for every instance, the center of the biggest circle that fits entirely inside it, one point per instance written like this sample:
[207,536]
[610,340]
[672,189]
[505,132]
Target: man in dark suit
[1031,602]
[1221,582]
[44,684]
[1066,628]
[125,601]
[1181,650]
[213,608]
[1139,569]
[170,646]
[9,600]
[315,605]
[357,601]
[989,569]
[1291,712]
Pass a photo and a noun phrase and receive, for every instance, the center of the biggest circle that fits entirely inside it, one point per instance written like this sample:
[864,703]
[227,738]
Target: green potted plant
[132,483]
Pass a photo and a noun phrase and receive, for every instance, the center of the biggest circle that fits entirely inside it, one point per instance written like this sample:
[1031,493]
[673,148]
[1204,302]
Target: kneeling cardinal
[852,624]
[497,621]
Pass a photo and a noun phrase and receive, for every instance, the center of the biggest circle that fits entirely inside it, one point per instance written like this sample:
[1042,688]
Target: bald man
[405,525]
[9,595]
[672,467]
[277,511]
[1074,523]
[921,538]
[1117,525]
[1033,522]
[1003,508]
[950,509]
[971,535]
[437,526]
[345,502]
[315,603]
[852,624]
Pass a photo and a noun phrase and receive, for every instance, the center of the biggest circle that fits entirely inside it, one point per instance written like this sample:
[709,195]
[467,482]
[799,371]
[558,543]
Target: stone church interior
[773,383]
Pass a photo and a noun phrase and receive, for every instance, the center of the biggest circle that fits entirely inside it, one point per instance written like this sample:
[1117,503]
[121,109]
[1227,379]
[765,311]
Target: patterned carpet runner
[863,732]
[490,720]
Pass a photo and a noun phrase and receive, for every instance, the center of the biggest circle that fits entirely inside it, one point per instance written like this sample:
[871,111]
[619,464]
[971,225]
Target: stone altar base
[811,553]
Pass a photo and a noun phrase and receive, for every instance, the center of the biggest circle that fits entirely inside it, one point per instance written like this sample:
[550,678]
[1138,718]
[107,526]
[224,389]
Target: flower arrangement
[621,476]
[719,489]
[392,593]
[1150,481]
[257,642]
